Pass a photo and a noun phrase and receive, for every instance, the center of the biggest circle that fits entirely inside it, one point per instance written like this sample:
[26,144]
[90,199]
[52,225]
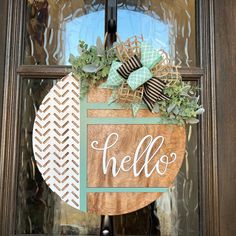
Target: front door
[43,35]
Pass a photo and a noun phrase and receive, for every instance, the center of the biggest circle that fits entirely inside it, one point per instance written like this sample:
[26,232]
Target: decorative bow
[138,73]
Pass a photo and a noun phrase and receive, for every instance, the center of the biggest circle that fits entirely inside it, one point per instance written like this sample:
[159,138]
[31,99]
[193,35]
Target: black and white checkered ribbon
[153,88]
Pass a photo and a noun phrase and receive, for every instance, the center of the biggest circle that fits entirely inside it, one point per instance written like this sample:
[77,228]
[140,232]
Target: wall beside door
[225,44]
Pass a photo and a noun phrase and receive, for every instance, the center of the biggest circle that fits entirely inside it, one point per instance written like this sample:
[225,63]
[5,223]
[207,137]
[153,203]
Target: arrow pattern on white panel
[56,140]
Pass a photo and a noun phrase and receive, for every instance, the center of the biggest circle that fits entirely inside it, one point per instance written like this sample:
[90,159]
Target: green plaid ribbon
[149,58]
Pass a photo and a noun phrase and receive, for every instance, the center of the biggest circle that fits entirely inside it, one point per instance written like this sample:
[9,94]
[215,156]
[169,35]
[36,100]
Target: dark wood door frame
[3,13]
[205,76]
[225,54]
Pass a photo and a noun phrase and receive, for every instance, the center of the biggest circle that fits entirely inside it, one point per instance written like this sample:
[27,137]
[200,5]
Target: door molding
[209,175]
[205,76]
[3,12]
[225,79]
[10,119]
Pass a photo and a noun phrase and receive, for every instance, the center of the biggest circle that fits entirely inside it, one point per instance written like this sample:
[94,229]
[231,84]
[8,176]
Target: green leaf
[200,111]
[100,47]
[192,121]
[170,108]
[72,59]
[186,88]
[176,110]
[105,71]
[91,68]
[156,108]
[80,50]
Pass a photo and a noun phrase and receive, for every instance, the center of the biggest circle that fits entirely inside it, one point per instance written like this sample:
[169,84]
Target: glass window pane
[39,210]
[53,29]
[166,24]
[176,212]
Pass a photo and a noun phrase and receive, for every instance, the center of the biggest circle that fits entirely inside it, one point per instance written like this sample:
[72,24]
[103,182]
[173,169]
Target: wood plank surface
[129,138]
[225,42]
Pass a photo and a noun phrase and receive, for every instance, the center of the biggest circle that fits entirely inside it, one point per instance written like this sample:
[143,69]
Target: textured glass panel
[54,28]
[178,210]
[167,24]
[39,210]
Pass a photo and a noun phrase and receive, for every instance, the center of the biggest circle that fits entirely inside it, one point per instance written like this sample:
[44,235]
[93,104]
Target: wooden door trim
[209,181]
[10,119]
[58,71]
[225,44]
[3,12]
[205,75]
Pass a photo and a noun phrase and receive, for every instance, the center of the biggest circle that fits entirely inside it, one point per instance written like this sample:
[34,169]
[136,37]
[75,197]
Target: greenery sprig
[92,65]
[183,105]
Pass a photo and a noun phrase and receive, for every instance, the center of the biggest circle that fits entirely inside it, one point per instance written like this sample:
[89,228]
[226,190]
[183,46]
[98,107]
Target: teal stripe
[132,120]
[83,156]
[127,190]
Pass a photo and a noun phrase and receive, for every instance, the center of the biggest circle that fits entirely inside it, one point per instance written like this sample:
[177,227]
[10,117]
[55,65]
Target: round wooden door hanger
[100,159]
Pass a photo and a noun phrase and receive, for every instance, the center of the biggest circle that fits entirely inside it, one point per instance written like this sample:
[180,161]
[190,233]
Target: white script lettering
[147,155]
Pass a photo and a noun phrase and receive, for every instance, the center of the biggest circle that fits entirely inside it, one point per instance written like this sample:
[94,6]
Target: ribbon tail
[153,91]
[114,80]
[135,108]
[149,104]
[112,98]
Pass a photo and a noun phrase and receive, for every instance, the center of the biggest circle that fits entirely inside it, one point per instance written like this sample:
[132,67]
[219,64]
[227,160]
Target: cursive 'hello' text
[127,164]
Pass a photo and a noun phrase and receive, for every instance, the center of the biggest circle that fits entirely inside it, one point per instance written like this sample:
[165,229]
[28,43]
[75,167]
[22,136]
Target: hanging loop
[110,22]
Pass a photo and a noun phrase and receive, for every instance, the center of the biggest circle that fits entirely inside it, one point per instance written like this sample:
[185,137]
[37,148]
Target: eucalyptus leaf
[191,92]
[80,50]
[100,47]
[176,110]
[192,121]
[156,108]
[90,68]
[170,108]
[100,67]
[72,59]
[115,44]
[186,88]
[200,111]
[184,94]
[197,98]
